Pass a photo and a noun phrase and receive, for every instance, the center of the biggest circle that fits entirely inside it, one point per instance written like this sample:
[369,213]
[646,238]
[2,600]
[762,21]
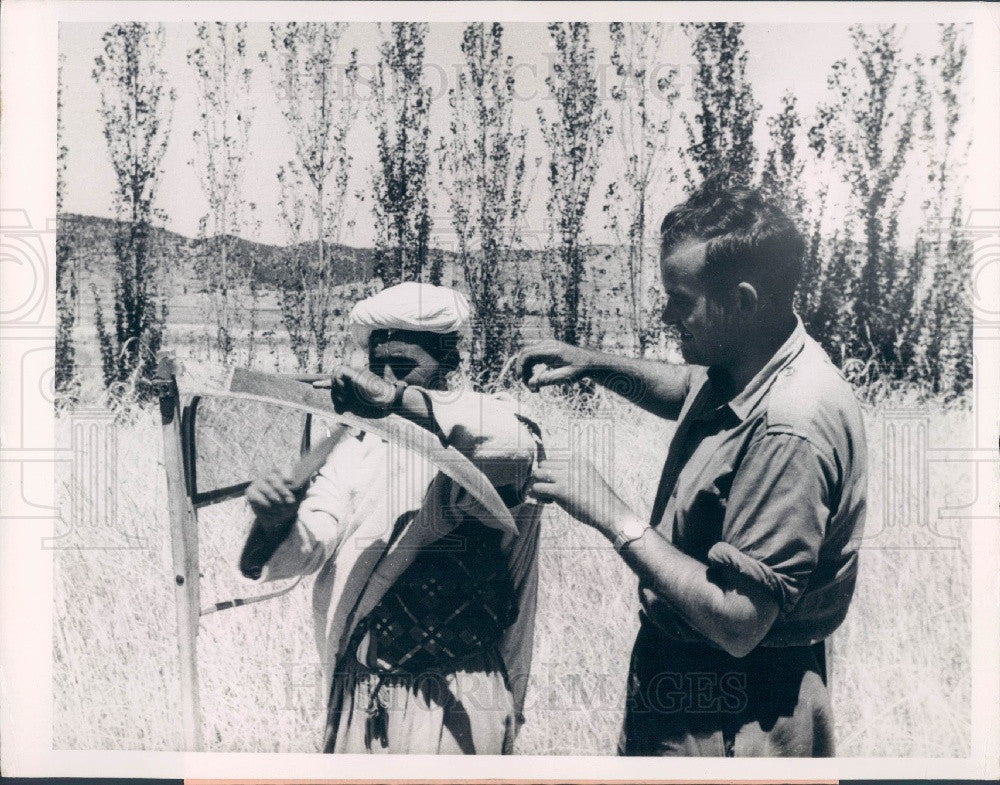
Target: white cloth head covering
[420,307]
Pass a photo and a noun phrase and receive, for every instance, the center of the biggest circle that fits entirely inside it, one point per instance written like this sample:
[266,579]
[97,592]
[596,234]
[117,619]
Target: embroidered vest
[454,600]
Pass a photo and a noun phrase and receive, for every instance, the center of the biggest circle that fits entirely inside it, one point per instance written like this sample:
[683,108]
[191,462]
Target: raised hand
[564,364]
[578,487]
[273,498]
[359,392]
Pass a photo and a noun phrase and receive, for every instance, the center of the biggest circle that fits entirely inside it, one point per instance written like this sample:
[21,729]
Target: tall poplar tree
[67,283]
[225,112]
[484,159]
[721,133]
[869,129]
[644,96]
[136,106]
[399,111]
[944,345]
[318,98]
[574,132]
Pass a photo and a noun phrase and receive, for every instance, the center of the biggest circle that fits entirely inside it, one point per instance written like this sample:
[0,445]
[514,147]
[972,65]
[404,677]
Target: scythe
[194,381]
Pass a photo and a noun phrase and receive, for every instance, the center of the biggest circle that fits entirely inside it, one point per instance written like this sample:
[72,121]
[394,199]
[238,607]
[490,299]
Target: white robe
[351,508]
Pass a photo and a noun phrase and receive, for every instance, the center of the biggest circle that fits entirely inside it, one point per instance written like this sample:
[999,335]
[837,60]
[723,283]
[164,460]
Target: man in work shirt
[750,554]
[424,612]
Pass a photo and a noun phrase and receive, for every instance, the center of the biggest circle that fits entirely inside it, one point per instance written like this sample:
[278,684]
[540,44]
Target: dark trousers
[695,700]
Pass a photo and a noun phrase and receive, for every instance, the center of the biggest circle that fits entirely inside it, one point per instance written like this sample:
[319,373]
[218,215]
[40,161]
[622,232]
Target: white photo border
[27,194]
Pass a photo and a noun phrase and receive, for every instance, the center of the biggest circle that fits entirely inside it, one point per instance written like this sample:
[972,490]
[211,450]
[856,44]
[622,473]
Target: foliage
[318,100]
[314,300]
[225,112]
[574,135]
[790,162]
[67,279]
[136,110]
[943,355]
[869,131]
[884,152]
[721,136]
[644,96]
[399,111]
[484,160]
[781,179]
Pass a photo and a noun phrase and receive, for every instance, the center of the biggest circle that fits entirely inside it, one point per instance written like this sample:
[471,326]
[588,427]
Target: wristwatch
[628,530]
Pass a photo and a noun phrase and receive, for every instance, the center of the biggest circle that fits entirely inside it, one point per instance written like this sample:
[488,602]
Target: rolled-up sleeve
[776,516]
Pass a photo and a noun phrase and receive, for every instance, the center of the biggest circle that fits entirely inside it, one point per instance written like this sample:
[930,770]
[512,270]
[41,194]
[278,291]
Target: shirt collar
[744,402]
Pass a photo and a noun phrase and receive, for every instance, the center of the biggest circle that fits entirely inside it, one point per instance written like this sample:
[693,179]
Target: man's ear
[747,300]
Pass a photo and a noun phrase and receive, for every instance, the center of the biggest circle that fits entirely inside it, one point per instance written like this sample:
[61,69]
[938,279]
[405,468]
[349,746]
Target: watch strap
[629,533]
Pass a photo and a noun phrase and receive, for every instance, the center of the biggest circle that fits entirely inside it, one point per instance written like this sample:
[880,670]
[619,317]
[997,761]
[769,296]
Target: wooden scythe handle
[264,538]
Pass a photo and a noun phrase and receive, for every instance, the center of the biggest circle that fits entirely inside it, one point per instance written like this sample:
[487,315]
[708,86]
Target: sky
[788,57]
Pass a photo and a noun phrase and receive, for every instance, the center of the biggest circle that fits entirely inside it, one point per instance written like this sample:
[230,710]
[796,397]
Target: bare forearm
[734,618]
[657,387]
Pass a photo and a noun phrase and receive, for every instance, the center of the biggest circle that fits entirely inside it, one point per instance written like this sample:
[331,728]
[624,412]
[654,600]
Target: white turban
[421,307]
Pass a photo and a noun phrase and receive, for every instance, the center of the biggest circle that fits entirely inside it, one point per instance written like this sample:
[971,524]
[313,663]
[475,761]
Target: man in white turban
[424,613]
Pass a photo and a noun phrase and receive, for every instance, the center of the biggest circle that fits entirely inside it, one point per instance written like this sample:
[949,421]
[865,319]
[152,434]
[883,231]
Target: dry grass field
[900,663]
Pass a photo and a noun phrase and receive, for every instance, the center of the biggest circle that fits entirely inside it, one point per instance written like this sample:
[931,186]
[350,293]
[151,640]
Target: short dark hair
[747,238]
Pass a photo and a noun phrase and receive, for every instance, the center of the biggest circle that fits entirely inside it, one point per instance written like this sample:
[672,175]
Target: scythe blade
[207,379]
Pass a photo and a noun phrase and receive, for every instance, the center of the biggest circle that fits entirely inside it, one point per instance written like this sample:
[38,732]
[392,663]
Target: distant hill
[91,241]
